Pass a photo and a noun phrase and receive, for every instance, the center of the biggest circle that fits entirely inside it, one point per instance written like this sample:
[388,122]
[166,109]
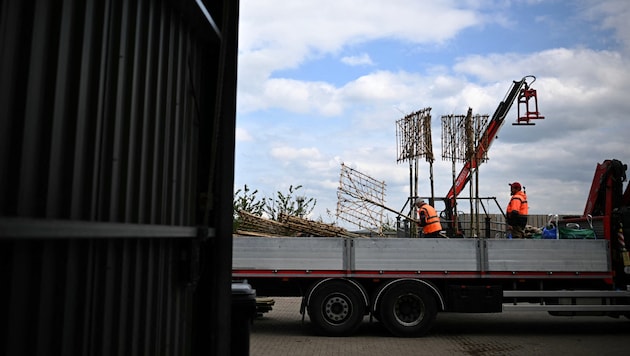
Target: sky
[323,82]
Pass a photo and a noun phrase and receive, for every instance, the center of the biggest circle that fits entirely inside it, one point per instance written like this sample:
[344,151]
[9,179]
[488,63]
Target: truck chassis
[405,282]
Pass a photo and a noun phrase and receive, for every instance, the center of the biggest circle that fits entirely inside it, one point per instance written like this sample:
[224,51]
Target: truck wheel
[336,308]
[408,310]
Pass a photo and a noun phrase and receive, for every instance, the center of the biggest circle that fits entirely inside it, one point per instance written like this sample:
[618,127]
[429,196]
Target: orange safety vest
[433,220]
[518,203]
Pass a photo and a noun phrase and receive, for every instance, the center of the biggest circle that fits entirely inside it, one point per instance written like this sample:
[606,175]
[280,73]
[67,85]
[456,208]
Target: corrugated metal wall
[95,289]
[100,111]
[115,116]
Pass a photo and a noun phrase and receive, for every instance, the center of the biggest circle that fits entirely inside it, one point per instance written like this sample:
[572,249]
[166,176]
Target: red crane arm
[488,137]
[607,185]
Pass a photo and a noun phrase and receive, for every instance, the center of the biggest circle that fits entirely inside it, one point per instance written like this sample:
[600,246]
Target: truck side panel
[394,254]
[548,255]
[285,253]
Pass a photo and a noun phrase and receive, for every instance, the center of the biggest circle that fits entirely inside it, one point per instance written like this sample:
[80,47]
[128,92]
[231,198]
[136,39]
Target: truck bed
[350,256]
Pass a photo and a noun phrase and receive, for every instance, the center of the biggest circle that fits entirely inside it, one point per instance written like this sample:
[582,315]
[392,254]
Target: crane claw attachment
[527,104]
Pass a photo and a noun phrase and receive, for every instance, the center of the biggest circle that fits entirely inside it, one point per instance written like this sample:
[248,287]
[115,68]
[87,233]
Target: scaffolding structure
[413,137]
[361,200]
[461,136]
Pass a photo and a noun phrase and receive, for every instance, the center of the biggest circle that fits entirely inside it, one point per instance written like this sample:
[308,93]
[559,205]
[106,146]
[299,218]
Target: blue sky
[323,82]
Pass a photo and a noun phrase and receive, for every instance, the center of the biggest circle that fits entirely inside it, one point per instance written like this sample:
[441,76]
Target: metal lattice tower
[361,199]
[413,136]
[461,136]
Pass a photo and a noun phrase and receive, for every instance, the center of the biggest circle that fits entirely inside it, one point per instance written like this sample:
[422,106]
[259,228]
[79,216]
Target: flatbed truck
[405,282]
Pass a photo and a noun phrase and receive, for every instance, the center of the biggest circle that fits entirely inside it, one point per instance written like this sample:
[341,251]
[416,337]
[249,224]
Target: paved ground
[281,332]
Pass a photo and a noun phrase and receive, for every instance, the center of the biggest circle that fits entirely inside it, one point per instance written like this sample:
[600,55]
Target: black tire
[408,309]
[336,308]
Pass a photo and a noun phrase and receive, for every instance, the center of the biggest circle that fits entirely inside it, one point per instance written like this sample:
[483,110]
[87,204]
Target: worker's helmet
[516,185]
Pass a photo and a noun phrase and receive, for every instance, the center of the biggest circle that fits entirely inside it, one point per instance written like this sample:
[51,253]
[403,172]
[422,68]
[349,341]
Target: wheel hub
[409,310]
[336,309]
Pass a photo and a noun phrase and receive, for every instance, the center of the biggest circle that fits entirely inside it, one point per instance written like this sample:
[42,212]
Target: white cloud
[382,85]
[614,16]
[286,153]
[300,96]
[242,135]
[277,35]
[362,59]
[328,25]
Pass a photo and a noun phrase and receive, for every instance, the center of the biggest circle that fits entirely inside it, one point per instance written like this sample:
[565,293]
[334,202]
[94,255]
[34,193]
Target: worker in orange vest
[429,219]
[517,211]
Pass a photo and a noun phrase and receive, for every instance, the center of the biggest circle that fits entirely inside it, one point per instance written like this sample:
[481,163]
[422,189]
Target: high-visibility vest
[518,203]
[433,220]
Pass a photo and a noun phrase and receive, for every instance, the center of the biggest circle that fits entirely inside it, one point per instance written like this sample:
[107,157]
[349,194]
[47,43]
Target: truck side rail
[469,258]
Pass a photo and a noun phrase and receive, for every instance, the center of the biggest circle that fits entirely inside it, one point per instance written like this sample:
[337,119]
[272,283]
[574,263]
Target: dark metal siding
[95,297]
[102,116]
[117,123]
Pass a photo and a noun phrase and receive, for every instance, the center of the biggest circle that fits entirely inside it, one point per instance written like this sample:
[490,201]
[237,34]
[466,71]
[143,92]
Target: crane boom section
[486,139]
[606,193]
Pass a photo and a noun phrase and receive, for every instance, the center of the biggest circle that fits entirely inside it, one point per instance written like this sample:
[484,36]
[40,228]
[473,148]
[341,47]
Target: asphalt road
[282,332]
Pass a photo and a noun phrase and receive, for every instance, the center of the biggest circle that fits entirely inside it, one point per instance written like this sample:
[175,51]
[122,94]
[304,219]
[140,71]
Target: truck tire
[336,308]
[408,309]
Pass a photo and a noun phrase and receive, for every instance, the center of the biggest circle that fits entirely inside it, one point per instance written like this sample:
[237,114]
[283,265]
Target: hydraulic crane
[520,90]
[606,190]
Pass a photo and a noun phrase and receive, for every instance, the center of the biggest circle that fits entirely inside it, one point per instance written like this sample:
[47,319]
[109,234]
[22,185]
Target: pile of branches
[313,228]
[252,225]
